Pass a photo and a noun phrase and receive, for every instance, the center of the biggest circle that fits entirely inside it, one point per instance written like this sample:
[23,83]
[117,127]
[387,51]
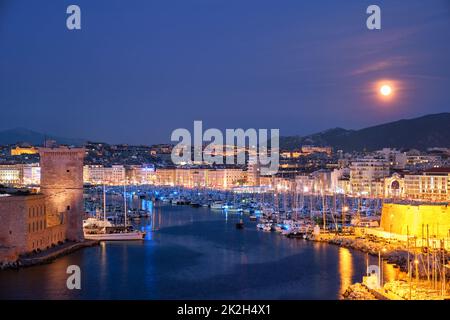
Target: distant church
[36,221]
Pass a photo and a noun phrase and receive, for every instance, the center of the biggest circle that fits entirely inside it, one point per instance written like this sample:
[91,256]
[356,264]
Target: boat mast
[324,210]
[343,208]
[104,201]
[125,203]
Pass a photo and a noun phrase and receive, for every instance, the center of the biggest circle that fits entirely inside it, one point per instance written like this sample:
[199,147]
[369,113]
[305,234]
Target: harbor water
[196,253]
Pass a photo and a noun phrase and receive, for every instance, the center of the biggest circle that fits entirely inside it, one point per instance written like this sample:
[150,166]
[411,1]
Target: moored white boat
[217,206]
[103,230]
[103,235]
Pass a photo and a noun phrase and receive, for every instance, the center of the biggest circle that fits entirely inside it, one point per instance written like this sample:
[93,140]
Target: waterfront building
[115,175]
[226,178]
[185,177]
[148,174]
[93,174]
[431,185]
[140,174]
[223,178]
[31,174]
[20,174]
[367,176]
[10,175]
[165,176]
[99,174]
[133,174]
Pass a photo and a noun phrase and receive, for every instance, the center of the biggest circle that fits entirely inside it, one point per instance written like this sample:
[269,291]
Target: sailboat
[103,230]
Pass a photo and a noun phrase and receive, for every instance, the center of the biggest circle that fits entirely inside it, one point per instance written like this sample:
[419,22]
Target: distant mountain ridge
[22,135]
[418,133]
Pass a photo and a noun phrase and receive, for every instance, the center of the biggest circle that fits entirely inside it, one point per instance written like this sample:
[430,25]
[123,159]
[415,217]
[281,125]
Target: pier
[49,255]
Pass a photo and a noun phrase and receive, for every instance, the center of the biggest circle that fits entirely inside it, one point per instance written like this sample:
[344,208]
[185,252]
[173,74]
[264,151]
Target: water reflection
[345,269]
[103,267]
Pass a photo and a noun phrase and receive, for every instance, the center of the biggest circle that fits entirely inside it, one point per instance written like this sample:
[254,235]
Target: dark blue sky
[139,69]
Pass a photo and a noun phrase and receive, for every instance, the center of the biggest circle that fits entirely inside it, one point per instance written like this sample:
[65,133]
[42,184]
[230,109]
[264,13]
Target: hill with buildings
[418,133]
[22,135]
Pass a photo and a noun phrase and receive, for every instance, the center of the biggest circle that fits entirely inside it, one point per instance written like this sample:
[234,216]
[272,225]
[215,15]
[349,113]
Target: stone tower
[62,184]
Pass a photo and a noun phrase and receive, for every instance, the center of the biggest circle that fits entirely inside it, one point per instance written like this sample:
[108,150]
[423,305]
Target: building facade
[20,174]
[10,175]
[430,185]
[367,176]
[99,174]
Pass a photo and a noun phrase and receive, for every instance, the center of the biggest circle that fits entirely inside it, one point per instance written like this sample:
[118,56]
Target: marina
[315,222]
[199,252]
[291,214]
[226,233]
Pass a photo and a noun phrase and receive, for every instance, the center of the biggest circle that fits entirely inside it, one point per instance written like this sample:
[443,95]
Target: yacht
[103,230]
[113,233]
[233,209]
[217,206]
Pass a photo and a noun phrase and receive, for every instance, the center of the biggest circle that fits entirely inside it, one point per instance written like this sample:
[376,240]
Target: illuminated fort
[426,224]
[417,220]
[31,222]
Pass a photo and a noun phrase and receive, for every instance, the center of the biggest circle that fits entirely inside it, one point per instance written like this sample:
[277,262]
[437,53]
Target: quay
[48,255]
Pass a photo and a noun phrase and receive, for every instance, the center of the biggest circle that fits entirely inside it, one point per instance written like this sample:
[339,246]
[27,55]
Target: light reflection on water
[196,253]
[345,269]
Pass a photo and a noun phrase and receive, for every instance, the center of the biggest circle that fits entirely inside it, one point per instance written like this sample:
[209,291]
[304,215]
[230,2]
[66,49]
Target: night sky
[139,69]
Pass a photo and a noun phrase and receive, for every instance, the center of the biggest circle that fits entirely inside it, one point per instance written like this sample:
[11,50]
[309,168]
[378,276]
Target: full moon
[385,90]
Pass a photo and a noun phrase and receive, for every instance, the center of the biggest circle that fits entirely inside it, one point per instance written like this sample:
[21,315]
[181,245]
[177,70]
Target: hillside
[419,133]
